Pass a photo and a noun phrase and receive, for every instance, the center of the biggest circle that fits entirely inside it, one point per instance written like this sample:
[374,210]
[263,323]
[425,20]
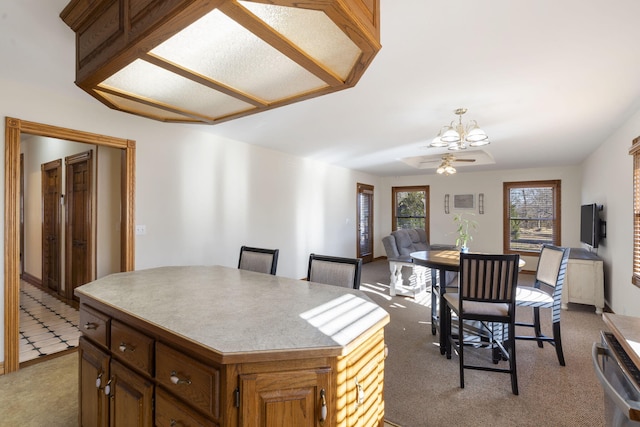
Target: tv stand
[584,282]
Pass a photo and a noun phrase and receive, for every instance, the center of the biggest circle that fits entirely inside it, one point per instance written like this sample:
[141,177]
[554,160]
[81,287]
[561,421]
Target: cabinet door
[94,375]
[131,398]
[292,398]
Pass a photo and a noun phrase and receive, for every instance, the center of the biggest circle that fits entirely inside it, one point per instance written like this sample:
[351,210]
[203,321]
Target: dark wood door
[365,222]
[51,258]
[94,377]
[131,398]
[79,221]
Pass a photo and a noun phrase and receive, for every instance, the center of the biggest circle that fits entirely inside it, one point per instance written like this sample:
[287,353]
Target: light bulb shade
[457,146]
[449,170]
[440,170]
[480,143]
[476,134]
[450,135]
[438,142]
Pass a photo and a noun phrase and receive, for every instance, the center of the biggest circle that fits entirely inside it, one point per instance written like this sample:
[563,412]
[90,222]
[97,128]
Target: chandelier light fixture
[446,168]
[211,61]
[457,136]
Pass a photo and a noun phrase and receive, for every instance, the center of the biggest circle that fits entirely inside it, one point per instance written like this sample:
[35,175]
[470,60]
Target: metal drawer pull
[99,380]
[107,388]
[323,407]
[124,347]
[90,325]
[360,394]
[177,380]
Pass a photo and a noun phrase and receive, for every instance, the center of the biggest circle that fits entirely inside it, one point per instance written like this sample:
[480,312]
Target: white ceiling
[548,81]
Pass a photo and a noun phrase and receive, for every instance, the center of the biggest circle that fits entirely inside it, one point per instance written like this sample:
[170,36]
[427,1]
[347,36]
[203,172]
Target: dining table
[442,261]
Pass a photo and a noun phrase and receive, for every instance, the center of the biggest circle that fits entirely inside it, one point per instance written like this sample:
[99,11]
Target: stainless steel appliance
[620,379]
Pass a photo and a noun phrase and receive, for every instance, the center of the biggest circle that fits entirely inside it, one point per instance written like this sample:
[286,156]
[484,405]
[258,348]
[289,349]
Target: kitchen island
[218,346]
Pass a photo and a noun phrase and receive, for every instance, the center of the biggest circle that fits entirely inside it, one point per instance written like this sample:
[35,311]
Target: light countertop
[627,330]
[233,311]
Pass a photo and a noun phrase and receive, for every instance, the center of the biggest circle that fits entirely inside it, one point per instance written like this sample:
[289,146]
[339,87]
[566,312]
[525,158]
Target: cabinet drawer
[94,325]
[170,412]
[191,381]
[132,347]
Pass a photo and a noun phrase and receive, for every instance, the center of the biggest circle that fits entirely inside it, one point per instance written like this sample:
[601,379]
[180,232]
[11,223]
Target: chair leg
[461,351]
[557,339]
[512,361]
[434,306]
[536,324]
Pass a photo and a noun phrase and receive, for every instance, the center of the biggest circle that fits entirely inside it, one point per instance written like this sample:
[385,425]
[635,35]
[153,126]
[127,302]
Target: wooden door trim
[13,129]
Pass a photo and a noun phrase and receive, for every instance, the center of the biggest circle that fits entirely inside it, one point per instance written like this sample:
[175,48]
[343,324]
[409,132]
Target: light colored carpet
[422,386]
[41,395]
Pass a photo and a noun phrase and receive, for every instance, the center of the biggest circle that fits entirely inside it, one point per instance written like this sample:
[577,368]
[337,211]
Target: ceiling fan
[446,166]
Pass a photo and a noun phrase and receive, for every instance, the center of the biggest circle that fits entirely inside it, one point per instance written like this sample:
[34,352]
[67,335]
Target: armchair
[398,247]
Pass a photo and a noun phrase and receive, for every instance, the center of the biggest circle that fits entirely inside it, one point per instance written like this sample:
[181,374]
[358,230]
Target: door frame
[364,188]
[13,129]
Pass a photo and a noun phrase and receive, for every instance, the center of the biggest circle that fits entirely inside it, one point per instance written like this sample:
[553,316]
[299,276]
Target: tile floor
[47,325]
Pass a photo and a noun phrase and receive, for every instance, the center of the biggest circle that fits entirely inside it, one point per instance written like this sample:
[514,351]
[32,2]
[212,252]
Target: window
[635,152]
[410,208]
[531,215]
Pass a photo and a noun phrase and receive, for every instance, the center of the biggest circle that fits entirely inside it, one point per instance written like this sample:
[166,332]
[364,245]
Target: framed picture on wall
[463,201]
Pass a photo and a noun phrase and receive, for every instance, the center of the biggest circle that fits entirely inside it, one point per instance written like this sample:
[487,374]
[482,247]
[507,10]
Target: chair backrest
[335,271]
[488,277]
[552,267]
[258,259]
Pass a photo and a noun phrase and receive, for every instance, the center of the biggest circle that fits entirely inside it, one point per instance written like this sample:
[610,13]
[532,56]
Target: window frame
[556,187]
[412,188]
[635,152]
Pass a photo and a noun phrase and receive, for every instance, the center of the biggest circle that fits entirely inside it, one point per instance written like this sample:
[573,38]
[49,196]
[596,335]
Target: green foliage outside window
[410,209]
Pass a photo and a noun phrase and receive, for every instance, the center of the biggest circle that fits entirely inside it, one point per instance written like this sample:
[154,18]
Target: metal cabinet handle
[177,380]
[360,394]
[90,325]
[107,389]
[124,347]
[323,407]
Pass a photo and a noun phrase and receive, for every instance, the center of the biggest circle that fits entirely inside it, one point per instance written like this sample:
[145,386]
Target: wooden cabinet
[294,398]
[110,393]
[94,375]
[134,372]
[584,282]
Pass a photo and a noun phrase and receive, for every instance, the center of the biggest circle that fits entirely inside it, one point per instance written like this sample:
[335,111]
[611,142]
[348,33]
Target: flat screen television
[590,224]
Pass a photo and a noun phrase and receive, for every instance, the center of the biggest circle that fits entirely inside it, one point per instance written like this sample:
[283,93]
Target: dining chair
[258,259]
[546,292]
[335,271]
[486,298]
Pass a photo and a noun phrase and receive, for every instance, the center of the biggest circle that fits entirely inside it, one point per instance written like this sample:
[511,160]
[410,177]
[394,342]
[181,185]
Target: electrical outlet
[141,229]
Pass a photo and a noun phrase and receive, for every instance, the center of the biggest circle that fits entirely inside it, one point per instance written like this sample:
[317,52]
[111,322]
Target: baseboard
[32,280]
[1,368]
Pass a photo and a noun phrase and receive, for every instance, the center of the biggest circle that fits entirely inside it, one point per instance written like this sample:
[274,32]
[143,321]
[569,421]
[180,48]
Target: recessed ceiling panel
[221,49]
[143,79]
[302,26]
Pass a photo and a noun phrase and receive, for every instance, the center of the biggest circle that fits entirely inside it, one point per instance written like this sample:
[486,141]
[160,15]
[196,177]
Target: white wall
[202,196]
[608,180]
[488,236]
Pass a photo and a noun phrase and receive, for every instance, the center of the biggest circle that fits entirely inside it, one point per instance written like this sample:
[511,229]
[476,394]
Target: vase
[464,249]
